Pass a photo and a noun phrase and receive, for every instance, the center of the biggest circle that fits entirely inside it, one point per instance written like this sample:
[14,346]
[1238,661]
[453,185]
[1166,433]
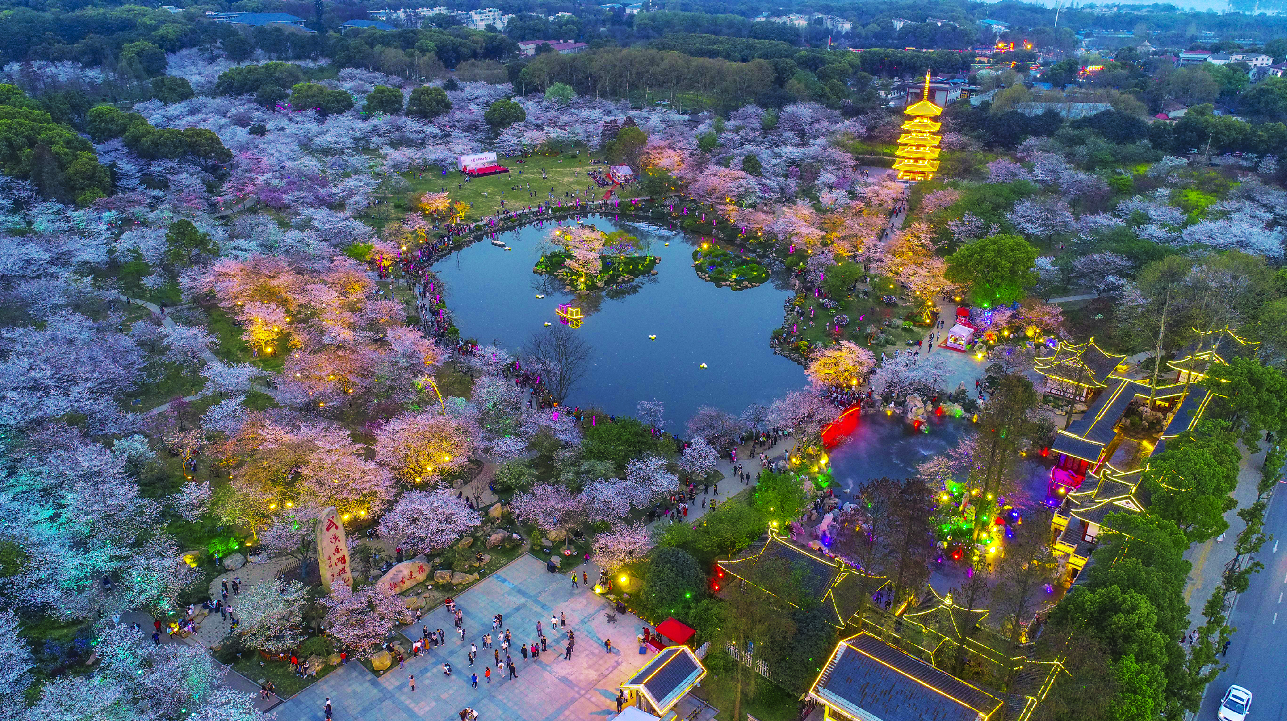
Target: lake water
[884,445]
[492,293]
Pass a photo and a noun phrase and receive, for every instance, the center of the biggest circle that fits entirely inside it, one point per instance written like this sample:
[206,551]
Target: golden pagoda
[918,145]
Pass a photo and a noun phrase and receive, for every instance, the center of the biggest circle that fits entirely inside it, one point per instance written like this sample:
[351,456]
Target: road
[1259,644]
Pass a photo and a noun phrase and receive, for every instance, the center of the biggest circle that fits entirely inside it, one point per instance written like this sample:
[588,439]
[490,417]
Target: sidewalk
[729,486]
[1209,558]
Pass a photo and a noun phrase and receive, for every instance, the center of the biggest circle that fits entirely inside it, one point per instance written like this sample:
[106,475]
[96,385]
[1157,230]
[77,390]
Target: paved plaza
[546,689]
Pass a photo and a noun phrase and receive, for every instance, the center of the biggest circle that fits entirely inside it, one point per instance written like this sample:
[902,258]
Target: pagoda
[918,145]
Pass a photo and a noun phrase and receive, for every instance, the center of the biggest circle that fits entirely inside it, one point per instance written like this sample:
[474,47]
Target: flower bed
[617,270]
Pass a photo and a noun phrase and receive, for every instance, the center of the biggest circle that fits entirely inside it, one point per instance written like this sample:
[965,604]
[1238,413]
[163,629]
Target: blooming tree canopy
[627,544]
[361,620]
[418,448]
[843,365]
[425,521]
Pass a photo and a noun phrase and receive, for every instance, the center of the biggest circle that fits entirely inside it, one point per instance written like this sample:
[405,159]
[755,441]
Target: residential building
[171,9]
[480,19]
[1219,58]
[995,26]
[899,23]
[365,25]
[634,9]
[560,16]
[1070,110]
[1255,60]
[562,47]
[1193,57]
[259,19]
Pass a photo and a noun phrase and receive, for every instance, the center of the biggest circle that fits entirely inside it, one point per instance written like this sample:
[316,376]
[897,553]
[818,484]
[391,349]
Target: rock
[557,534]
[233,562]
[496,539]
[486,559]
[496,511]
[315,663]
[405,575]
[413,602]
[442,576]
[545,543]
[333,660]
[465,542]
[381,661]
[556,561]
[458,578]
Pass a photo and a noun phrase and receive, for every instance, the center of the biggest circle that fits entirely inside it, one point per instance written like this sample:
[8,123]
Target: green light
[688,594]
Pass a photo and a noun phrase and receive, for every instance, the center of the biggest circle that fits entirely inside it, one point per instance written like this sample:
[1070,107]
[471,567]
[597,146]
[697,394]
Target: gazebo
[668,677]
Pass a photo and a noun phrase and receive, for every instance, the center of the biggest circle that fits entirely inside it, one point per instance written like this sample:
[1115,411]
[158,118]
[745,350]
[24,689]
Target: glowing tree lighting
[844,365]
[919,144]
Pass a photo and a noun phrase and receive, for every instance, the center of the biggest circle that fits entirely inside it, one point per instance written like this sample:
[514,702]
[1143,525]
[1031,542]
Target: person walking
[473,680]
[607,645]
[509,662]
[585,578]
[326,707]
[563,619]
[488,674]
[413,683]
[523,650]
[574,580]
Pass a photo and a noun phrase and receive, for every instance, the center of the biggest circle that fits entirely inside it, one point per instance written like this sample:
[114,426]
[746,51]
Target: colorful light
[918,149]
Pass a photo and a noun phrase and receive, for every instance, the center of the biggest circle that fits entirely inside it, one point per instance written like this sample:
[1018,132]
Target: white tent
[959,337]
[630,713]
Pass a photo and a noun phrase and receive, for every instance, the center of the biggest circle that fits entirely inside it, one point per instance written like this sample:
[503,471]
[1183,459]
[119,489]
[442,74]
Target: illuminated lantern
[918,146]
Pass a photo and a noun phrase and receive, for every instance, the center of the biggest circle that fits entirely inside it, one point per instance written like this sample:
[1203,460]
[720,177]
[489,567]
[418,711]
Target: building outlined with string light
[918,146]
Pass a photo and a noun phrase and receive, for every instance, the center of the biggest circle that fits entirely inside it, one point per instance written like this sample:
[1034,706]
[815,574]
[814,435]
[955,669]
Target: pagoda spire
[918,146]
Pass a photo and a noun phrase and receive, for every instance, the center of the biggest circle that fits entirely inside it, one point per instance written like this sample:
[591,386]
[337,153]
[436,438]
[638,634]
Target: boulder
[442,576]
[486,559]
[234,561]
[496,511]
[556,561]
[333,660]
[465,542]
[381,661]
[413,602]
[458,578]
[496,539]
[557,534]
[315,663]
[405,575]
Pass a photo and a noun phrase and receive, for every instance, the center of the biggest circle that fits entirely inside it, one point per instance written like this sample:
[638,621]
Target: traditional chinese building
[839,587]
[918,146]
[660,685]
[866,679]
[1077,372]
[1101,457]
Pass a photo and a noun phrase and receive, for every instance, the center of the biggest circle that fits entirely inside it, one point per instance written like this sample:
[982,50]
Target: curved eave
[925,108]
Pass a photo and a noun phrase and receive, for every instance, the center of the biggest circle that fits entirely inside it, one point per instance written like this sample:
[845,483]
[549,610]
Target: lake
[492,294]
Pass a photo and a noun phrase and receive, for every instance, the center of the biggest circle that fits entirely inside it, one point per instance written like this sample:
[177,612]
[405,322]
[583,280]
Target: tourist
[413,683]
[607,645]
[446,668]
[326,708]
[574,580]
[510,662]
[473,680]
[487,674]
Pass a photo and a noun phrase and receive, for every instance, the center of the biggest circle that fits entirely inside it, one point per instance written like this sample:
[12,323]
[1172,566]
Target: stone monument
[332,551]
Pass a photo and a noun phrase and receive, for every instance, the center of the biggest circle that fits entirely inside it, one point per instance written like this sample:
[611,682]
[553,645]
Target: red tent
[671,633]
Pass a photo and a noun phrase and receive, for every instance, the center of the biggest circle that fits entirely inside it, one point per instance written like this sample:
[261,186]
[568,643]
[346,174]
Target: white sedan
[1235,704]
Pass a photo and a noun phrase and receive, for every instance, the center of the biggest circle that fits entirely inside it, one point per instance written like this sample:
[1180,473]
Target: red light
[999,521]
[1045,452]
[939,410]
[717,587]
[956,554]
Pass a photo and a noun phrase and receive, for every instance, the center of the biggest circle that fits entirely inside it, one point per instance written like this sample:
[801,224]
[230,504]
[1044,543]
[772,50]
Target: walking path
[547,689]
[1209,558]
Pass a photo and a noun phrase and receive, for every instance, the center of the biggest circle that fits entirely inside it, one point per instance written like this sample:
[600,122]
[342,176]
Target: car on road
[1235,704]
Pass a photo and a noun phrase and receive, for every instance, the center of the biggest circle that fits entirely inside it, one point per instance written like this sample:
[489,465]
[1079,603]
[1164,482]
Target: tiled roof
[670,675]
[868,678]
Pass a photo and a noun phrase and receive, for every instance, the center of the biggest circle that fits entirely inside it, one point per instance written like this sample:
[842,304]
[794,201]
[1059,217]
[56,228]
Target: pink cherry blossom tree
[418,448]
[426,521]
[698,459]
[361,620]
[549,508]
[620,546]
[843,365]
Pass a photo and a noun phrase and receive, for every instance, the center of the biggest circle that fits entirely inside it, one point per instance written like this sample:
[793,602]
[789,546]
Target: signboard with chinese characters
[405,575]
[332,551]
[476,160]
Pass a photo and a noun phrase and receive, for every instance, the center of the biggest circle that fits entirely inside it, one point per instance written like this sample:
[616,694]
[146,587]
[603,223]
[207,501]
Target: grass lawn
[770,703]
[565,173]
[872,312]
[172,381]
[233,348]
[254,667]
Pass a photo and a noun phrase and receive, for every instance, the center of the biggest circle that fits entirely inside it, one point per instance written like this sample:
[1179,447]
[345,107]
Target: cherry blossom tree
[361,620]
[550,508]
[803,410]
[271,615]
[650,472]
[418,448]
[425,521]
[719,427]
[843,365]
[698,459]
[15,665]
[620,546]
[613,499]
[904,375]
[651,413]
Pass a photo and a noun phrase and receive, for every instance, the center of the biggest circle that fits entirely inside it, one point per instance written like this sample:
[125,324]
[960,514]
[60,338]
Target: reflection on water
[884,445]
[492,293]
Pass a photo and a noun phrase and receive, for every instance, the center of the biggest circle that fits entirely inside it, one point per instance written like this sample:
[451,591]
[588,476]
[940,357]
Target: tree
[428,102]
[419,448]
[753,620]
[621,546]
[383,99]
[1190,481]
[998,269]
[1159,282]
[183,241]
[549,508]
[504,113]
[560,356]
[560,93]
[170,89]
[1253,397]
[650,472]
[627,147]
[426,521]
[718,427]
[271,615]
[751,165]
[912,543]
[15,665]
[1004,427]
[779,498]
[313,96]
[844,365]
[1026,567]
[698,459]
[361,620]
[899,377]
[672,580]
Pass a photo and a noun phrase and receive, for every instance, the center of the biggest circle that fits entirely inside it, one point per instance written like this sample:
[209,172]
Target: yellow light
[623,578]
[289,504]
[774,524]
[272,506]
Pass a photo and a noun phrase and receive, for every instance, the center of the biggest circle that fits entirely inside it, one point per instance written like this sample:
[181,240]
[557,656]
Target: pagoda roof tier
[924,108]
[916,165]
[922,124]
[917,152]
[918,139]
